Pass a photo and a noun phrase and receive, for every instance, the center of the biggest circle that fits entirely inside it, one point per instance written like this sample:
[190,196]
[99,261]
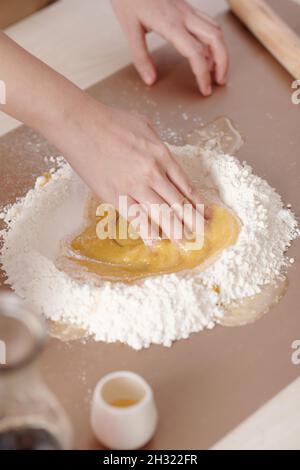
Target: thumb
[141,56]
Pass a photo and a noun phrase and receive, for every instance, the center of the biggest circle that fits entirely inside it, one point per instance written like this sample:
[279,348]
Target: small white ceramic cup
[123,427]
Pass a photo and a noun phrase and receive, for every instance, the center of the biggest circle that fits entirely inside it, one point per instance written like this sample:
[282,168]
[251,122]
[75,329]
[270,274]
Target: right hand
[118,153]
[195,35]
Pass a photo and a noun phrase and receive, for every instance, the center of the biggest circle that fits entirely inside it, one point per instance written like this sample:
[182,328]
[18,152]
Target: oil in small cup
[123,414]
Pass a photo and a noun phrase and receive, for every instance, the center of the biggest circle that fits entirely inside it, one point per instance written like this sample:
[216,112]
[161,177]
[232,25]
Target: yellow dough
[129,260]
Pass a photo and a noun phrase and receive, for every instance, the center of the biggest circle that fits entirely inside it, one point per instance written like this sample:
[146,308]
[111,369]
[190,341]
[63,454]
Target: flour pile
[159,309]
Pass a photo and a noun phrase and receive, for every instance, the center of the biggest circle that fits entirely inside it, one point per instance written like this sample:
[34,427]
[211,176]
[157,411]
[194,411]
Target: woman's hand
[193,33]
[115,152]
[118,154]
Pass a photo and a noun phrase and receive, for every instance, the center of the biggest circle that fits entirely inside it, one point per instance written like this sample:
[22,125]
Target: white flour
[159,309]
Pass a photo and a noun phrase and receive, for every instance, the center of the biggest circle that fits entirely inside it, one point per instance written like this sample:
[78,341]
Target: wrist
[57,116]
[74,124]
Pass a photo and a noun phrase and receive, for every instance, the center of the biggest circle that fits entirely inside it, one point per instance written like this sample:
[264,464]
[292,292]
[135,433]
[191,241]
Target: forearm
[36,94]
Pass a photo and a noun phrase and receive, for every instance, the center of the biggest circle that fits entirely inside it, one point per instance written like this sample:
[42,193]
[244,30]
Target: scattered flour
[160,309]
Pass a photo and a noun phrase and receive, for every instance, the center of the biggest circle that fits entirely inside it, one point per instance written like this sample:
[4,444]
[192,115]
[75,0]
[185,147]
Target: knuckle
[174,26]
[151,170]
[144,120]
[147,120]
[218,35]
[173,19]
[190,190]
[130,142]
[142,147]
[163,153]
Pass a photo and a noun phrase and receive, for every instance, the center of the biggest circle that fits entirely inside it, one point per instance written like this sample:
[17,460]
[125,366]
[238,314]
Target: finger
[211,64]
[213,38]
[184,188]
[137,218]
[163,216]
[177,175]
[207,54]
[141,56]
[194,51]
[190,214]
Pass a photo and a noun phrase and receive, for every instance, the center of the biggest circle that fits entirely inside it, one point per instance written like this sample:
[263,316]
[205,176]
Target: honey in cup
[122,392]
[123,403]
[131,259]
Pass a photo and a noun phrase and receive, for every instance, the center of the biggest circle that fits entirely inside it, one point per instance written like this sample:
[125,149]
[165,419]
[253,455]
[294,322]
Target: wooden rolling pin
[280,40]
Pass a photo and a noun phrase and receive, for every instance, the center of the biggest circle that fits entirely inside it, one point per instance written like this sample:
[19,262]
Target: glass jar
[30,416]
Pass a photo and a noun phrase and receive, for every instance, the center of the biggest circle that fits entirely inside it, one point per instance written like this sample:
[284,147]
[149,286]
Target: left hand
[193,33]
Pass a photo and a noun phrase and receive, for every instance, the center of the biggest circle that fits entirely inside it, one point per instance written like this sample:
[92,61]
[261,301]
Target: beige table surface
[82,40]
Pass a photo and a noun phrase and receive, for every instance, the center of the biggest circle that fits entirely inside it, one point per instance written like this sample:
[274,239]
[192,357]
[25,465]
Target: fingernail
[149,77]
[208,90]
[222,80]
